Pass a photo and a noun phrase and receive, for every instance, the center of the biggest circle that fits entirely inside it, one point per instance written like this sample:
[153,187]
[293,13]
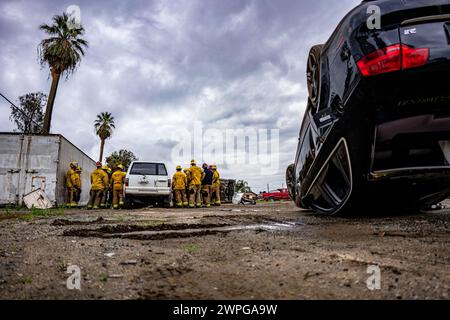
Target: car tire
[290,183]
[167,202]
[128,203]
[290,180]
[313,75]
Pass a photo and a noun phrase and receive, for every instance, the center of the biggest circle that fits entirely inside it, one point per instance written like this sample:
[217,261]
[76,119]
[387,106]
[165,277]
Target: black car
[376,130]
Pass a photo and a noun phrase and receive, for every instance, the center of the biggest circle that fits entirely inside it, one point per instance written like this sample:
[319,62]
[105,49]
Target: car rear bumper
[406,118]
[147,192]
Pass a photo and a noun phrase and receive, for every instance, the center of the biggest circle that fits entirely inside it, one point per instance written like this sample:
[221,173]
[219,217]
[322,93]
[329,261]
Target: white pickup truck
[147,183]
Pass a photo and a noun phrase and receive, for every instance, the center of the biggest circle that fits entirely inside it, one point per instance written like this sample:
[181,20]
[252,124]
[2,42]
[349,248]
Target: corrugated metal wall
[27,163]
[30,162]
[67,154]
[10,167]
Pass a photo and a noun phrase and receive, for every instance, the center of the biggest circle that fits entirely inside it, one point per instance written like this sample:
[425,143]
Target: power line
[20,110]
[1,94]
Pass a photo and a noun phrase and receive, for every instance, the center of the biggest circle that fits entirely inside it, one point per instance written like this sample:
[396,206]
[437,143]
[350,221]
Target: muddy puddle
[173,231]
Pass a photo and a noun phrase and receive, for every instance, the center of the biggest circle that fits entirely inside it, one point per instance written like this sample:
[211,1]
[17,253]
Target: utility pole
[268,190]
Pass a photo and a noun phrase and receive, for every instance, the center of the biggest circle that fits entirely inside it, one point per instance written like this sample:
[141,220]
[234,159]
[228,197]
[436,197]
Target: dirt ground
[266,251]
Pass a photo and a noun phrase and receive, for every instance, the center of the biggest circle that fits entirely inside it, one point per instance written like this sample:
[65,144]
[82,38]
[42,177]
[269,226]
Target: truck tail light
[127,181]
[392,58]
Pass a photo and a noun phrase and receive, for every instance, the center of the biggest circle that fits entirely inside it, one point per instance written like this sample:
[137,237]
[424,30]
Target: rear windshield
[148,169]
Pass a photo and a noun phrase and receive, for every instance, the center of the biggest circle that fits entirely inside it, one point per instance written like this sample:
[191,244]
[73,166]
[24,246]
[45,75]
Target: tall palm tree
[62,52]
[104,125]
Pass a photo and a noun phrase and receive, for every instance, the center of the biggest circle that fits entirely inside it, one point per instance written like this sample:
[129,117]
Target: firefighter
[179,184]
[188,183]
[216,186]
[77,185]
[117,182]
[196,177]
[106,198]
[207,185]
[70,180]
[99,183]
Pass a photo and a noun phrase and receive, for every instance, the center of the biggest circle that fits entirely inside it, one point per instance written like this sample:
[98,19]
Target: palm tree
[62,52]
[104,125]
[242,186]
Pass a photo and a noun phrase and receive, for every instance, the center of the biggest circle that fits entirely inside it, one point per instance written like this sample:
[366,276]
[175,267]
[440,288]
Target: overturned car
[376,130]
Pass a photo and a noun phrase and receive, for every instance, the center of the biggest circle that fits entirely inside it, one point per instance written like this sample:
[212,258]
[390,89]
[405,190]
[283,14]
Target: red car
[279,194]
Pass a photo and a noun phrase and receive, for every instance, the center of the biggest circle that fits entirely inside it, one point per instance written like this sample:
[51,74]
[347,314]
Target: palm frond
[64,50]
[104,125]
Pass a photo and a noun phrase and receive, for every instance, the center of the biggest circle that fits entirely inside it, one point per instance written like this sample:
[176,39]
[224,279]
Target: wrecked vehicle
[376,130]
[227,187]
[246,198]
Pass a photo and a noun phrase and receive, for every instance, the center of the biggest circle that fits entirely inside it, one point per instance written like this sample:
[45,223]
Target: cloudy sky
[159,66]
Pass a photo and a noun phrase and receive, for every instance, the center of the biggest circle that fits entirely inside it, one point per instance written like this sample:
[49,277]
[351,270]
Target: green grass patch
[190,248]
[30,214]
[103,277]
[43,213]
[153,224]
[25,280]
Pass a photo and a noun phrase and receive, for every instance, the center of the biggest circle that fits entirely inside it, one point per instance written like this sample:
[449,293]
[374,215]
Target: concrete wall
[30,162]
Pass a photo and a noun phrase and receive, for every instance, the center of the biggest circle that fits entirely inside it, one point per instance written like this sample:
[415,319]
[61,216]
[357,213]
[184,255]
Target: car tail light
[392,58]
[127,181]
[169,183]
[381,61]
[412,58]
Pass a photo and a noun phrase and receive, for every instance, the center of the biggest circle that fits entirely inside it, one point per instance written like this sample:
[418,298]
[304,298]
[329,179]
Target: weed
[103,277]
[190,248]
[25,280]
[61,266]
[42,213]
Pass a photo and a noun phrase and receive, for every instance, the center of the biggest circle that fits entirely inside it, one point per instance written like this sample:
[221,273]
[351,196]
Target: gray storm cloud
[158,66]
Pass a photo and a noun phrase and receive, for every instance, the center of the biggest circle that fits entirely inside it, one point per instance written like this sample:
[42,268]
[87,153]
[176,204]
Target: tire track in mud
[181,230]
[67,222]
